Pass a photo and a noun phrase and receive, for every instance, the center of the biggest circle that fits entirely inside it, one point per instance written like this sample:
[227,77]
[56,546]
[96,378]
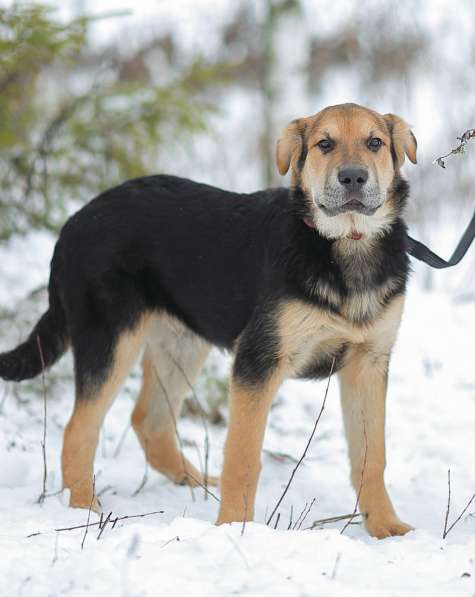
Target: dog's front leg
[363,394]
[250,402]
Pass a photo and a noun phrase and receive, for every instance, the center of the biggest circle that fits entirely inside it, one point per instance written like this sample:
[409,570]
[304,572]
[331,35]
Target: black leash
[419,251]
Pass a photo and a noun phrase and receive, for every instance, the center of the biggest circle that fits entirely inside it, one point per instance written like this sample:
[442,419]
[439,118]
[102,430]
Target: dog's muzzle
[350,193]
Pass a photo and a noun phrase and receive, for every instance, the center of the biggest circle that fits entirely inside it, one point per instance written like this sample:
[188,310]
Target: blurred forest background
[92,93]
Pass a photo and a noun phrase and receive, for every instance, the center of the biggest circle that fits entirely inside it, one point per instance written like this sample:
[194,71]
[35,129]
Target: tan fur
[173,359]
[82,431]
[363,391]
[303,329]
[304,332]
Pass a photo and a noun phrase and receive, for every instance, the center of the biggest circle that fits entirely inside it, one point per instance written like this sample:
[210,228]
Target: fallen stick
[95,524]
[322,521]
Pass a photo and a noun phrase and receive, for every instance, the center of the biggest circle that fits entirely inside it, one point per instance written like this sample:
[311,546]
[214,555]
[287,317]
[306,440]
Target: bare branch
[96,524]
[464,140]
[459,517]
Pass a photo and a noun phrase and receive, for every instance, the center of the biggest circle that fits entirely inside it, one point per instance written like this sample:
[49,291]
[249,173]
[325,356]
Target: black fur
[219,261]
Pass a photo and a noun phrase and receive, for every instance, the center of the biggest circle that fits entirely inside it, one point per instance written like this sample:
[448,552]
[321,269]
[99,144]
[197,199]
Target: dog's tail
[47,342]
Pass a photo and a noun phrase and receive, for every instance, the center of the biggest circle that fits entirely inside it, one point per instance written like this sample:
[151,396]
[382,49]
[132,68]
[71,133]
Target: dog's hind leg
[95,391]
[172,361]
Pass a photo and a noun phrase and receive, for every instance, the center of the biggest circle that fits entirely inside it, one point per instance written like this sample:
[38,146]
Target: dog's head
[346,160]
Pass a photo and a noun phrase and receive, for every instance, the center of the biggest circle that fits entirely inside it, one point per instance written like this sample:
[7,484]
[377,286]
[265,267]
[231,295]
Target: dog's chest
[314,340]
[350,289]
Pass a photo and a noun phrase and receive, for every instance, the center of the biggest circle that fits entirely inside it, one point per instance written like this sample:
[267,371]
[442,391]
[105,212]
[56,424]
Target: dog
[296,282]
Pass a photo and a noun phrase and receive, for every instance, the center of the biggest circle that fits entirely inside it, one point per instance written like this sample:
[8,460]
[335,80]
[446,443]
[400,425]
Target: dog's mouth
[353,204]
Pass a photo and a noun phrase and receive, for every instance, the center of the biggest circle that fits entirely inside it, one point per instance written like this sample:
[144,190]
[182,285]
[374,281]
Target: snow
[430,423]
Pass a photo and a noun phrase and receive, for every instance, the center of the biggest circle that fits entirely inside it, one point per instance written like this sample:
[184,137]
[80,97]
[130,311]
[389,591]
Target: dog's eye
[374,143]
[325,145]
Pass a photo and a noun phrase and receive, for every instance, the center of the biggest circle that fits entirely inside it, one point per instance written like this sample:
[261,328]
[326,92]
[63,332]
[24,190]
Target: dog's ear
[403,140]
[290,145]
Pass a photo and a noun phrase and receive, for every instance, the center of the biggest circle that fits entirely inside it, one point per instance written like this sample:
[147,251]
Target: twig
[202,413]
[277,520]
[208,491]
[306,447]
[177,539]
[459,517]
[42,497]
[299,516]
[464,140]
[322,521]
[103,525]
[89,511]
[104,490]
[348,522]
[291,517]
[307,512]
[178,436]
[444,533]
[96,524]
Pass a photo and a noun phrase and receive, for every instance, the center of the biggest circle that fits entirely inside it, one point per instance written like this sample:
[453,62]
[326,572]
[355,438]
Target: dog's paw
[85,504]
[386,527]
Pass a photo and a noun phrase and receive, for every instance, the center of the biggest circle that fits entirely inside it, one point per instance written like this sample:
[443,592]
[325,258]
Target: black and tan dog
[293,282]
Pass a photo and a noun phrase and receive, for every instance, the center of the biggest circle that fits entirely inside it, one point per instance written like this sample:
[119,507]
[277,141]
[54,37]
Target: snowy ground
[430,427]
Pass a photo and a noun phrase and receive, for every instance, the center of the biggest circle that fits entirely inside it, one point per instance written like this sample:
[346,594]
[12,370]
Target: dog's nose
[353,178]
